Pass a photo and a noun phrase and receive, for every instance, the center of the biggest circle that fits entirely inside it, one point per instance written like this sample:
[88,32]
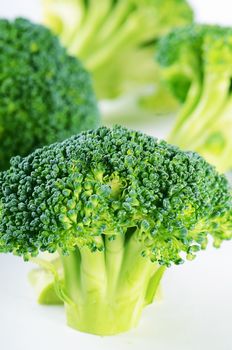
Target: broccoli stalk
[108,33]
[47,278]
[196,64]
[108,288]
[46,95]
[118,207]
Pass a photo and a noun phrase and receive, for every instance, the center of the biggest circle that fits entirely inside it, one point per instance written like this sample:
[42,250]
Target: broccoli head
[118,207]
[197,66]
[108,34]
[46,95]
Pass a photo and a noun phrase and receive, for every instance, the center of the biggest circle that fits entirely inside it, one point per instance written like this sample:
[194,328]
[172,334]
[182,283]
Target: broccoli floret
[109,33]
[119,207]
[46,95]
[197,66]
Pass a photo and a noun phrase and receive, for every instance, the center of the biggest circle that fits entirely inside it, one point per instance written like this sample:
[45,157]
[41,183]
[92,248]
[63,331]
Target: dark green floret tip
[109,183]
[46,95]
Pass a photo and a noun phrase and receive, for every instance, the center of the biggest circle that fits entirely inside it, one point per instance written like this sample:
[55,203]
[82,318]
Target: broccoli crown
[112,182]
[46,95]
[108,33]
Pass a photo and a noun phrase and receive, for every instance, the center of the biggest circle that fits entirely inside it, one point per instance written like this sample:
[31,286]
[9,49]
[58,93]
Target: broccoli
[197,66]
[42,279]
[118,207]
[46,95]
[108,33]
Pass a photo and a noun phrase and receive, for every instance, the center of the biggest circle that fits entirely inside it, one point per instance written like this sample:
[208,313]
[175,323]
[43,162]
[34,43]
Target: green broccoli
[46,95]
[197,66]
[116,40]
[119,207]
[42,279]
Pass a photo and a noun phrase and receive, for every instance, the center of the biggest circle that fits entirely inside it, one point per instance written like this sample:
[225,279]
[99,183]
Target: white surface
[206,10]
[196,310]
[213,11]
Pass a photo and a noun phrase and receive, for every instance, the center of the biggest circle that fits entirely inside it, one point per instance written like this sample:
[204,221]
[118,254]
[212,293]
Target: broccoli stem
[216,142]
[109,288]
[71,266]
[189,105]
[125,35]
[136,269]
[110,50]
[64,18]
[114,20]
[154,285]
[93,280]
[114,254]
[95,15]
[212,101]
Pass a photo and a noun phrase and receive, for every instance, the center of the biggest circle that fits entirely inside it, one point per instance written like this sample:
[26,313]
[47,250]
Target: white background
[206,10]
[196,310]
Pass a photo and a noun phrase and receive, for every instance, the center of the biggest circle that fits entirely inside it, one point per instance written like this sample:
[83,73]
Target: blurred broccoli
[116,40]
[197,66]
[118,207]
[46,95]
